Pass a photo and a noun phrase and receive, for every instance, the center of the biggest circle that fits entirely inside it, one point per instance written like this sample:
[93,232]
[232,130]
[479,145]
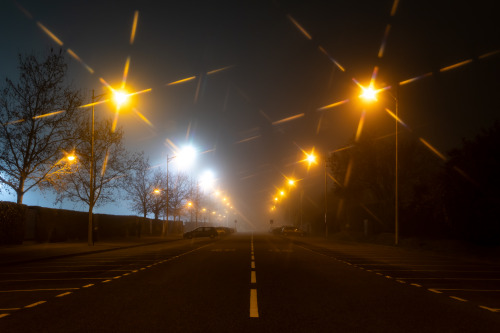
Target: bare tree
[158,202]
[139,186]
[37,114]
[177,194]
[112,164]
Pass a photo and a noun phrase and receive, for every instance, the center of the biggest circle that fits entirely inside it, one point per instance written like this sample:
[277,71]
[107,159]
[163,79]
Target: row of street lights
[369,95]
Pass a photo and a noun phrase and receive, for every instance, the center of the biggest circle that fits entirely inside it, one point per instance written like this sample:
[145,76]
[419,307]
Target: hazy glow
[120,97]
[185,157]
[71,157]
[125,73]
[368,94]
[207,181]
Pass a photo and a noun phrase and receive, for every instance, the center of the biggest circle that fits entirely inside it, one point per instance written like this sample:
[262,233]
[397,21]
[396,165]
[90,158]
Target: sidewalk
[31,251]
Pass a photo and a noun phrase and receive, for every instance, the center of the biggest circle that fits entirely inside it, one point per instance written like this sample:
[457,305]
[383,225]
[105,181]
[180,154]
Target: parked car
[290,231]
[201,232]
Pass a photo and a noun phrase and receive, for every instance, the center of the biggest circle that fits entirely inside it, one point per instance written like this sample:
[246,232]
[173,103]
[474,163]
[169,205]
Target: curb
[76,254]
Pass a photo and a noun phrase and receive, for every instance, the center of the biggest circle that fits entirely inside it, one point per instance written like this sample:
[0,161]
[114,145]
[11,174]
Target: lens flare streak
[134,27]
[394,7]
[384,41]
[181,81]
[297,116]
[105,164]
[125,72]
[49,33]
[248,139]
[144,119]
[77,58]
[49,114]
[333,105]
[339,66]
[298,26]
[465,62]
[396,118]
[434,150]
[360,126]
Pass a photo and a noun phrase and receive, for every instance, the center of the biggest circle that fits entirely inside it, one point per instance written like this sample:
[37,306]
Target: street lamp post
[369,94]
[120,98]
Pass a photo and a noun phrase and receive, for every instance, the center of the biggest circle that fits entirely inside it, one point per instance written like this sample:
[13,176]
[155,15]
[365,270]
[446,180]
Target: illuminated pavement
[245,283]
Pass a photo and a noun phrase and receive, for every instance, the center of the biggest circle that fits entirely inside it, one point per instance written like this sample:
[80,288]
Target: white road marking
[106,281]
[458,299]
[88,285]
[2,315]
[254,310]
[435,291]
[489,309]
[416,285]
[10,309]
[253,264]
[34,304]
[253,257]
[253,278]
[64,294]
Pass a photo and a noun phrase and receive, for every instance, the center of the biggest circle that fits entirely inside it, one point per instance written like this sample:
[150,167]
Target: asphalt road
[251,283]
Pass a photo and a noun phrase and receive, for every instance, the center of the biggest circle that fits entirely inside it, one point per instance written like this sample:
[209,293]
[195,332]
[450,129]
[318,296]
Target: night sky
[254,116]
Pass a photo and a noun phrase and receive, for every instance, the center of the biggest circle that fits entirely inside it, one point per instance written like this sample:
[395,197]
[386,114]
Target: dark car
[291,231]
[202,232]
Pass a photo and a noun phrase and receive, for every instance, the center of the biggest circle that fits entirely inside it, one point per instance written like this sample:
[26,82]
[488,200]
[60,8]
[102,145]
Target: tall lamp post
[369,95]
[119,98]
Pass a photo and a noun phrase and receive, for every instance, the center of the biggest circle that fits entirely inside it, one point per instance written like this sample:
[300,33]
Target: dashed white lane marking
[458,299]
[253,278]
[10,309]
[489,309]
[34,304]
[88,285]
[64,294]
[254,310]
[106,281]
[253,264]
[2,315]
[415,285]
[435,291]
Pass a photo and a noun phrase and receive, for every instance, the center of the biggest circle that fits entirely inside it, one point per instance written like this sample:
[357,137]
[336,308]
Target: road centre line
[254,310]
[3,315]
[253,264]
[253,277]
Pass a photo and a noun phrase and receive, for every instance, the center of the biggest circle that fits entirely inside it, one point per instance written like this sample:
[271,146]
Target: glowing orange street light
[368,94]
[120,97]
